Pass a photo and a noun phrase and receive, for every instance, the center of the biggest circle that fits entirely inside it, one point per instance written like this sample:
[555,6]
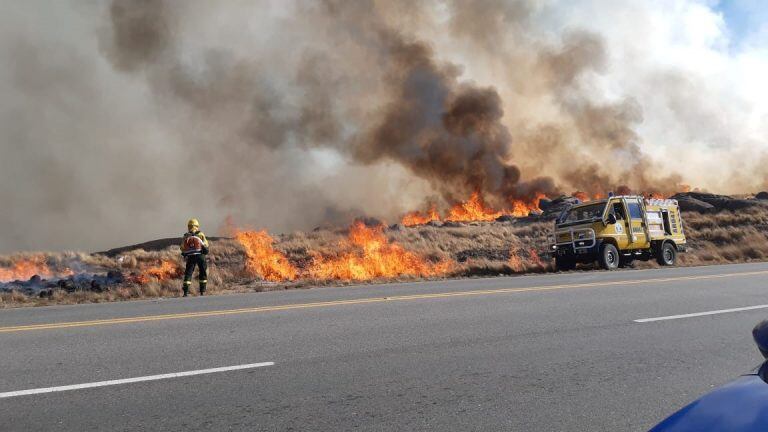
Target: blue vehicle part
[760,334]
[739,406]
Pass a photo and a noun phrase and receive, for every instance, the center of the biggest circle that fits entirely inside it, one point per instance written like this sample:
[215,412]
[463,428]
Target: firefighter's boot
[185,287]
[203,285]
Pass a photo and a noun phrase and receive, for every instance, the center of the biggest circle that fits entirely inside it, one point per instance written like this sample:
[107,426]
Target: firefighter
[194,248]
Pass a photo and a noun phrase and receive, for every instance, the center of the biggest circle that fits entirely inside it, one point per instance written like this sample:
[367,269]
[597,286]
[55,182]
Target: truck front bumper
[579,253]
[582,244]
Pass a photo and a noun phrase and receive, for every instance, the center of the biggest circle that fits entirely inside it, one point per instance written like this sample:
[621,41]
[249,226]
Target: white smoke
[703,91]
[94,156]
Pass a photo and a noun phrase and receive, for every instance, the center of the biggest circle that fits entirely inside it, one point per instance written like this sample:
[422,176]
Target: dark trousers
[202,275]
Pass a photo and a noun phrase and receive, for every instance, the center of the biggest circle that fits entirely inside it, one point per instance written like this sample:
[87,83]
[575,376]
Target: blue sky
[743,17]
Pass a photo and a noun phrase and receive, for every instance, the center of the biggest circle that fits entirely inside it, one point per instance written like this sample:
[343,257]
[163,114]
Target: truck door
[621,228]
[637,223]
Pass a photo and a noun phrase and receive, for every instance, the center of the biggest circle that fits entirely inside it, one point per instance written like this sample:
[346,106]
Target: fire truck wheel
[667,255]
[564,263]
[609,257]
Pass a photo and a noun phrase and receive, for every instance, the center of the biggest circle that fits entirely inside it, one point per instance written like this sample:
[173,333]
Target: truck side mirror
[611,218]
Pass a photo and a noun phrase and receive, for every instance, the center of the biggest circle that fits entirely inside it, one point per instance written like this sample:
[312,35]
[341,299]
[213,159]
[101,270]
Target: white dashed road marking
[698,314]
[132,380]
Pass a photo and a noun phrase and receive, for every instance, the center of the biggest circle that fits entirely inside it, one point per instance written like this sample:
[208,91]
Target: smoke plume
[124,119]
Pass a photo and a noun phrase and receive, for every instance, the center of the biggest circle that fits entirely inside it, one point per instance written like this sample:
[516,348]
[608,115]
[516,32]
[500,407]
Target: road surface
[584,351]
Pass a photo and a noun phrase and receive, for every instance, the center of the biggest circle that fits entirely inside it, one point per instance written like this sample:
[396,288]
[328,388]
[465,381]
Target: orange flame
[165,270]
[516,263]
[535,259]
[24,268]
[369,255]
[474,209]
[420,218]
[581,196]
[522,260]
[521,208]
[585,197]
[262,259]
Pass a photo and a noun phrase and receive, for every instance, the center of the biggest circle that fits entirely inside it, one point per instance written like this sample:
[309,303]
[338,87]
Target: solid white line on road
[698,314]
[132,380]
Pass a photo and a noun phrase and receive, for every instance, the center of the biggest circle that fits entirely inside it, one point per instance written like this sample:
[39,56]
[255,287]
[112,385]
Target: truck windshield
[588,212]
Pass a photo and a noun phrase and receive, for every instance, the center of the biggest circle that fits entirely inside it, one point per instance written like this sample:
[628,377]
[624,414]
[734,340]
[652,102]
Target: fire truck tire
[609,257]
[667,254]
[564,263]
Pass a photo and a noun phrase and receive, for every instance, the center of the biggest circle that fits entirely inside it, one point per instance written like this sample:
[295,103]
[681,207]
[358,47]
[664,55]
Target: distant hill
[152,245]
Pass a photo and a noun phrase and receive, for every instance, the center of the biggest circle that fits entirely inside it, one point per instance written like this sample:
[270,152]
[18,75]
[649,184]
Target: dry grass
[726,237]
[500,248]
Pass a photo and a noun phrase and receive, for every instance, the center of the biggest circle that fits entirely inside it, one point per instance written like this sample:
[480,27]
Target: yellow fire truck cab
[618,230]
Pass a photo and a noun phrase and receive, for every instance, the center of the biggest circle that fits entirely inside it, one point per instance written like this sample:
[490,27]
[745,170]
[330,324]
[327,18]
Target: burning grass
[262,260]
[25,267]
[367,254]
[255,261]
[475,209]
[165,269]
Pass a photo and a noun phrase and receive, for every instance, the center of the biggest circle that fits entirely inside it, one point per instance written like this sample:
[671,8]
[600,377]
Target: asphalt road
[534,353]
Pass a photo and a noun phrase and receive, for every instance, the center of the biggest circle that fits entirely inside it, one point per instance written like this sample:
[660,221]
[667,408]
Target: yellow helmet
[193,223]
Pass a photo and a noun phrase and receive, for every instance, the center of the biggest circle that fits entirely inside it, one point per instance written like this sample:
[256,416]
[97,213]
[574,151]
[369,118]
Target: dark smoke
[443,130]
[141,33]
[130,117]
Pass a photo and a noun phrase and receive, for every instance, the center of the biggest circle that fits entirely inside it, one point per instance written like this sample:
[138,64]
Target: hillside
[364,253]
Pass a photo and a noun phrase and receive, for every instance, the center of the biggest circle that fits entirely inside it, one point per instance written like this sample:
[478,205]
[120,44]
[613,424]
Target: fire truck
[618,230]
